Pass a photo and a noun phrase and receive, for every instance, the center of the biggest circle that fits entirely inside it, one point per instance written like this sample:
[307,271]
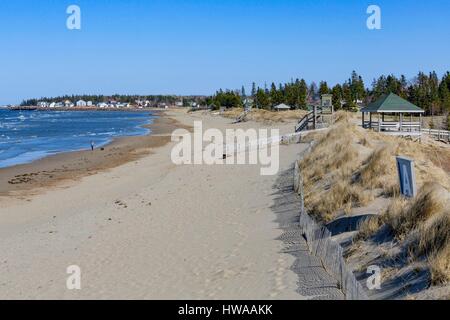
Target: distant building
[89,103]
[282,107]
[179,103]
[42,104]
[52,105]
[81,103]
[102,105]
[68,104]
[59,105]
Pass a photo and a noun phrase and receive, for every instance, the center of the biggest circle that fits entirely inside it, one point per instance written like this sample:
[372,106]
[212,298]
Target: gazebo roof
[392,103]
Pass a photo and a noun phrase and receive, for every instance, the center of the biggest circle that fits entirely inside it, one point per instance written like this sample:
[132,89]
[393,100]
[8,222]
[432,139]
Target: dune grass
[349,167]
[408,216]
[424,224]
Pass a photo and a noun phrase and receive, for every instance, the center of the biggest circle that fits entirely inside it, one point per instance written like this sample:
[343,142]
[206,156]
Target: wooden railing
[406,128]
[311,117]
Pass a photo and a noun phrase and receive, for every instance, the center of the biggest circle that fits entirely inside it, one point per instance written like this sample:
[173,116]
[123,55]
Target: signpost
[407,177]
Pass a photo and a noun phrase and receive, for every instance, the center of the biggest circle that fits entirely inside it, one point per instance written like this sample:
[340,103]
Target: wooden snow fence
[321,244]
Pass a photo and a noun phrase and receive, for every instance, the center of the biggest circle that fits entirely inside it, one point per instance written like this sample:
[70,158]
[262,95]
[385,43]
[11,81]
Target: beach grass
[349,167]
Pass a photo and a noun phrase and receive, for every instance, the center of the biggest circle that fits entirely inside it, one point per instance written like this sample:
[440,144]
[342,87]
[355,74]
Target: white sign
[405,168]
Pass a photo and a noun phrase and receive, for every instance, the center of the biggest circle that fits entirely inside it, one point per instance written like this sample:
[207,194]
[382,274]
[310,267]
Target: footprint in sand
[121,204]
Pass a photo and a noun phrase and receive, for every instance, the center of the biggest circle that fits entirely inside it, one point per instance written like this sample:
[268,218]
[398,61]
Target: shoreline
[31,178]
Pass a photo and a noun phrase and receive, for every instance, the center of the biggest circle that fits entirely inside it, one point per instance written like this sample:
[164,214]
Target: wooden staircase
[313,117]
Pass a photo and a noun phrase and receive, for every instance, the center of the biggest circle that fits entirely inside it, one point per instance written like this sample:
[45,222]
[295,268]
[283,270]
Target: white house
[68,103]
[52,105]
[81,103]
[42,104]
[89,103]
[102,105]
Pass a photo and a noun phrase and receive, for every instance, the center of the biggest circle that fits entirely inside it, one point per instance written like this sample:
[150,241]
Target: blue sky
[198,46]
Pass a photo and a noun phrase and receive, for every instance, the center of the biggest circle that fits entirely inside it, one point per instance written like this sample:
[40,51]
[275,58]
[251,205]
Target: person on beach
[92,145]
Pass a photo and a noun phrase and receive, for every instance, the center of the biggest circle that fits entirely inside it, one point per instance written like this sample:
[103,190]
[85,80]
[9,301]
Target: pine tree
[357,89]
[434,93]
[302,89]
[312,91]
[403,87]
[276,97]
[323,88]
[337,96]
[347,94]
[444,96]
[243,95]
[253,90]
[263,99]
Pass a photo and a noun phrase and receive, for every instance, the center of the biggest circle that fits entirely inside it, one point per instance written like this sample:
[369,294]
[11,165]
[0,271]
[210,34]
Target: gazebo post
[370,120]
[420,122]
[401,122]
[410,122]
[379,123]
[363,120]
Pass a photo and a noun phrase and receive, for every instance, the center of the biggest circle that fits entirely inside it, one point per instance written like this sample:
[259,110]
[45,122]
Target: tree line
[427,91]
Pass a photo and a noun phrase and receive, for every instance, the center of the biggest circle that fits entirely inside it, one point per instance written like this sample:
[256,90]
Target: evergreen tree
[290,95]
[357,89]
[403,87]
[323,88]
[302,95]
[433,85]
[243,95]
[312,91]
[276,97]
[253,90]
[263,99]
[347,94]
[337,96]
[444,96]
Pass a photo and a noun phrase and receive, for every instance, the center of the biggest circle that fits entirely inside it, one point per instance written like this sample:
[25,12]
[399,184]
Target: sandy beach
[147,229]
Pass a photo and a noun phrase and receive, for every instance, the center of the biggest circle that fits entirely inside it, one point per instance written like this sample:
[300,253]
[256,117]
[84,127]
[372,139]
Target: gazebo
[391,110]
[281,107]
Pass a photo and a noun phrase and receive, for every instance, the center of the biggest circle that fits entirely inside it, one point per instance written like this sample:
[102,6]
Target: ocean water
[26,136]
